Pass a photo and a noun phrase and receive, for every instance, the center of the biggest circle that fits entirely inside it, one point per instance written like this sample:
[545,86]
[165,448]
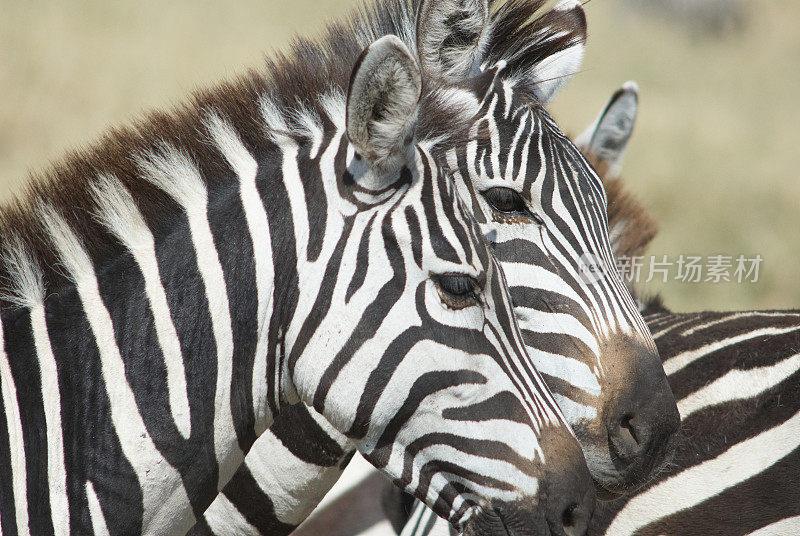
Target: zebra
[737,379]
[737,461]
[286,237]
[736,376]
[297,461]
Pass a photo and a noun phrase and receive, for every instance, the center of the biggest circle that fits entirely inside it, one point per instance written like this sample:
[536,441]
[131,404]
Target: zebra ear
[606,140]
[542,54]
[451,37]
[382,101]
[555,71]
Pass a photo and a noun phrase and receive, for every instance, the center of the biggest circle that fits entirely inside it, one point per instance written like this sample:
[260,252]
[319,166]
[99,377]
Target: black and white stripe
[167,293]
[585,335]
[736,376]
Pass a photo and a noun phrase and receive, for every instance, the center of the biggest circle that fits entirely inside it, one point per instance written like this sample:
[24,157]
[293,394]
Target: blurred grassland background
[714,155]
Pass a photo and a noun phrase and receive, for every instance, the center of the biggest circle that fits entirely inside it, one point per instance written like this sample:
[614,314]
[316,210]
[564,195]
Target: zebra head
[416,355]
[543,207]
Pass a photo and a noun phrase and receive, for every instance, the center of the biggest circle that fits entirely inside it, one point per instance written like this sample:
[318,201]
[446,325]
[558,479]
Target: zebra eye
[457,290]
[506,200]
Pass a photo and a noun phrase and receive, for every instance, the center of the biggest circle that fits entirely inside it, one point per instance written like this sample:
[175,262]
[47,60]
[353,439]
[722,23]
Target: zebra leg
[300,443]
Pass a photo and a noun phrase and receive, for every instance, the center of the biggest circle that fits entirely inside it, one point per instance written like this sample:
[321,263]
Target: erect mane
[291,86]
[630,226]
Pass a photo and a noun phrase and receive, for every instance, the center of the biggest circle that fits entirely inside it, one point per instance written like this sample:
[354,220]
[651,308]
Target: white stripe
[16,445]
[177,175]
[381,528]
[292,498]
[704,481]
[216,291]
[119,213]
[572,371]
[246,167]
[671,325]
[784,527]
[99,527]
[297,200]
[739,385]
[164,497]
[740,315]
[559,323]
[575,412]
[224,519]
[51,398]
[678,362]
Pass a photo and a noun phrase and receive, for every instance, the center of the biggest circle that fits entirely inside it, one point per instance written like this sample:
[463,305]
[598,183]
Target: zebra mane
[654,304]
[631,228]
[295,94]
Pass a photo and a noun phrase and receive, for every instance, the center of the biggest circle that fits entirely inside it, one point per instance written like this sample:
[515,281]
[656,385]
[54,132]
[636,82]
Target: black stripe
[414,229]
[425,385]
[8,519]
[235,249]
[362,259]
[439,243]
[315,197]
[279,216]
[27,378]
[92,450]
[193,458]
[305,439]
[254,505]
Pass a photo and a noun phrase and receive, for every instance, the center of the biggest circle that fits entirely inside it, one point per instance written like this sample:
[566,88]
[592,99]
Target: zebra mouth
[605,493]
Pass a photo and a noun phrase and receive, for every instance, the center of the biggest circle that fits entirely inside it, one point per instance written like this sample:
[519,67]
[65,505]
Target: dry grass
[714,153]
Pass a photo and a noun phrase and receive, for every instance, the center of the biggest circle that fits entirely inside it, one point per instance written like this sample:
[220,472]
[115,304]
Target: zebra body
[168,293]
[567,322]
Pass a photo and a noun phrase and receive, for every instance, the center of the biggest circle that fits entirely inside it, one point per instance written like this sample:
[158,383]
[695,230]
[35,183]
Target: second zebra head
[544,209]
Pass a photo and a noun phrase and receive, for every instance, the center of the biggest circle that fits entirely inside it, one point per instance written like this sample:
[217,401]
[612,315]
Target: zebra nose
[564,502]
[567,501]
[645,421]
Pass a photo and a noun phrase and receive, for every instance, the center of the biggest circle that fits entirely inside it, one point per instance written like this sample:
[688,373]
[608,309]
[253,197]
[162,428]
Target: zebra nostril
[627,429]
[627,438]
[574,520]
[568,517]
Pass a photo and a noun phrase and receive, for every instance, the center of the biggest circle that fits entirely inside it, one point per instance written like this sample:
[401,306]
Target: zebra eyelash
[458,291]
[508,203]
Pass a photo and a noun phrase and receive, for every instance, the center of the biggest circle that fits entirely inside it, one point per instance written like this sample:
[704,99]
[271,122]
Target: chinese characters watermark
[683,268]
[690,268]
